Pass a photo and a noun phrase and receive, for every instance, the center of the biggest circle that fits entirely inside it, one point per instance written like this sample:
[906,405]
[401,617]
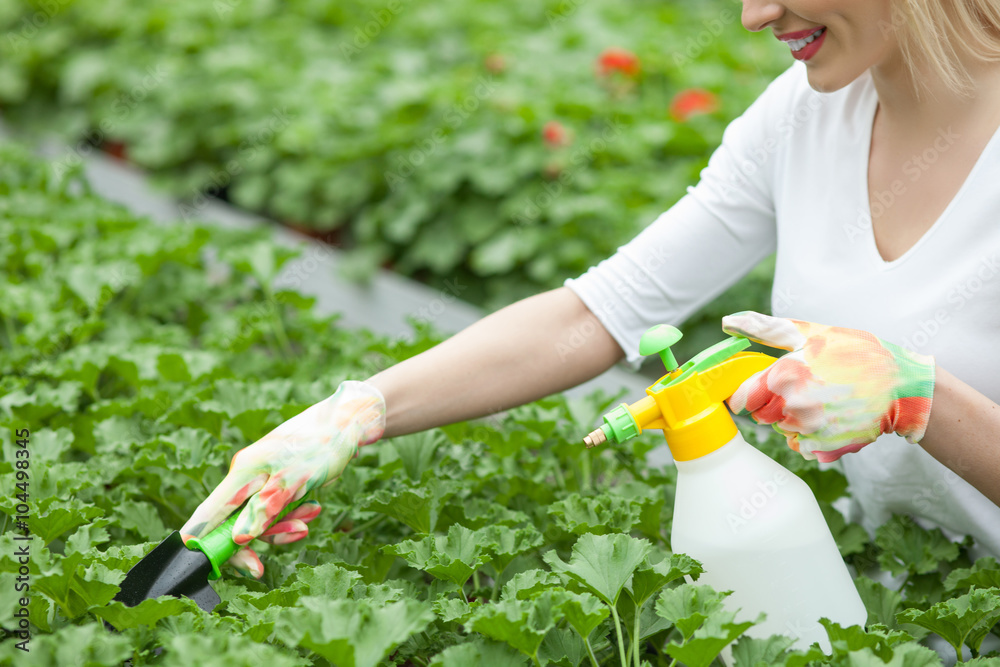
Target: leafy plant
[966,619]
[337,117]
[476,543]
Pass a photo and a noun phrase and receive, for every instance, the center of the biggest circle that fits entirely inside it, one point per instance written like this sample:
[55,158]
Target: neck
[912,110]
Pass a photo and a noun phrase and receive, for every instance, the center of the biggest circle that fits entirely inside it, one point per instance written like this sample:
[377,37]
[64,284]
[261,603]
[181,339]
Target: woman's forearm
[538,346]
[963,433]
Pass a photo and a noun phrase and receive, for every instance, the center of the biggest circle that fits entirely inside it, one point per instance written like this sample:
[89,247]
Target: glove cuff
[367,405]
[911,407]
[915,433]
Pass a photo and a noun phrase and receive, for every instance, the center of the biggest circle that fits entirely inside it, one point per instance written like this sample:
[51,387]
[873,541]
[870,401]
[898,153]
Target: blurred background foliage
[505,144]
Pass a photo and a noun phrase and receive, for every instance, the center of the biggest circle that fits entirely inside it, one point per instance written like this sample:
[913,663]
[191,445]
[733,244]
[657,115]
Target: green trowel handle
[219,546]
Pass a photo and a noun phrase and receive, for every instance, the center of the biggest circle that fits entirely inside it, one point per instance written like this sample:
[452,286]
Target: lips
[801,34]
[804,43]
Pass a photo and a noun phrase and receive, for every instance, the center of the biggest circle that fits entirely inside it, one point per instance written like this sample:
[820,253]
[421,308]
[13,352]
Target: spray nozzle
[687,402]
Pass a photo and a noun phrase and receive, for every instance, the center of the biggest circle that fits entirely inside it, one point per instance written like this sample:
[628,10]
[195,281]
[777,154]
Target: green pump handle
[218,545]
[659,338]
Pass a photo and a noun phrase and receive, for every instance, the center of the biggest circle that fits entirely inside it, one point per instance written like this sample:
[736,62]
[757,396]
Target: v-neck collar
[868,114]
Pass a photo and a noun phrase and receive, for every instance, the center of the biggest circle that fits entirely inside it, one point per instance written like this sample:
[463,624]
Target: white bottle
[755,527]
[758,531]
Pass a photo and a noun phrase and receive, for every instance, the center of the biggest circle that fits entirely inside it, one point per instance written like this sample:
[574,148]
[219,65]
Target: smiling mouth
[799,44]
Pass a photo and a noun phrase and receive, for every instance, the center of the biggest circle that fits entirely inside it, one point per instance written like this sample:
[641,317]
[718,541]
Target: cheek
[849,51]
[875,28]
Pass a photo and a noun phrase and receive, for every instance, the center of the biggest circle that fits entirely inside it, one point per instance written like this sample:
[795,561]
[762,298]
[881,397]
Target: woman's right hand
[308,451]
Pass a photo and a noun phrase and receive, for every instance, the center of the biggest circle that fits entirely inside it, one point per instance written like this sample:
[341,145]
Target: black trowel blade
[170,569]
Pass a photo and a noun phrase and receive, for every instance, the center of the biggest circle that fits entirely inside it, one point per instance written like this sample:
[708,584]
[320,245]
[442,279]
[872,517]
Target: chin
[823,82]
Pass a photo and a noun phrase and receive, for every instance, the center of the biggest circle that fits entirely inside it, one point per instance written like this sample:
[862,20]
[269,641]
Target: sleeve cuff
[602,305]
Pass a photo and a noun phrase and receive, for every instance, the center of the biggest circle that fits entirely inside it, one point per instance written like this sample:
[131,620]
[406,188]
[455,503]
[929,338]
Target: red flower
[115,149]
[692,102]
[555,134]
[617,60]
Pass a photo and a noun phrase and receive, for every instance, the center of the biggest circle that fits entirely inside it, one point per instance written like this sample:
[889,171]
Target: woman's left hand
[836,390]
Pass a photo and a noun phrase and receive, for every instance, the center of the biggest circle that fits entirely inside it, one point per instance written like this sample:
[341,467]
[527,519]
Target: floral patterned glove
[291,528]
[837,389]
[308,451]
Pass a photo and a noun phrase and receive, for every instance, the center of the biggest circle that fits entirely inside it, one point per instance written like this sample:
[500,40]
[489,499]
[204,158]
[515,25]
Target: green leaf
[906,547]
[219,649]
[251,191]
[599,515]
[327,580]
[522,624]
[192,451]
[262,259]
[87,536]
[54,517]
[827,485]
[649,622]
[42,403]
[562,647]
[143,518]
[851,538]
[882,603]
[351,633]
[651,502]
[709,640]
[381,594]
[49,445]
[89,644]
[584,612]
[963,620]
[602,563]
[509,442]
[524,585]
[500,253]
[479,513]
[247,405]
[259,616]
[187,365]
[687,606]
[416,451]
[418,507]
[10,598]
[757,652]
[453,557]
[493,654]
[450,609]
[121,558]
[878,638]
[993,660]
[984,573]
[906,655]
[147,612]
[505,543]
[75,589]
[95,283]
[650,578]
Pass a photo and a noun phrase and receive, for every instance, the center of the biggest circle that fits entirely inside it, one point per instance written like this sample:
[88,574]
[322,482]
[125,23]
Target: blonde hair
[936,32]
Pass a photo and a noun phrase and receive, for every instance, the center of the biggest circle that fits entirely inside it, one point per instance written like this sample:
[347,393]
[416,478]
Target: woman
[871,166]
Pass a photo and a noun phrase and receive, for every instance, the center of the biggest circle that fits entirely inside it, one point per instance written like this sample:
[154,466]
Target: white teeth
[799,44]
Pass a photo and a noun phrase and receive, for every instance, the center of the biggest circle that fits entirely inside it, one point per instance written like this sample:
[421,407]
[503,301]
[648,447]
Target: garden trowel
[173,568]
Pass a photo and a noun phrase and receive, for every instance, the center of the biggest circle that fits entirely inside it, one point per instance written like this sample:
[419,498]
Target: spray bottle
[756,527]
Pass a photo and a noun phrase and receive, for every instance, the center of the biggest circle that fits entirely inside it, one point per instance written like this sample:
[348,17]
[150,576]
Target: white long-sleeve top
[791,177]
